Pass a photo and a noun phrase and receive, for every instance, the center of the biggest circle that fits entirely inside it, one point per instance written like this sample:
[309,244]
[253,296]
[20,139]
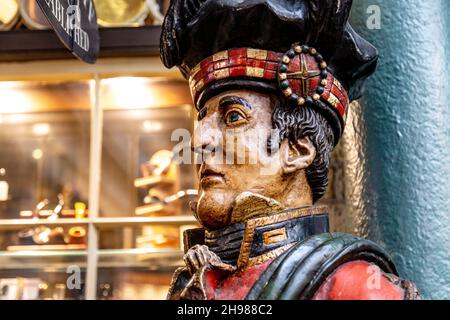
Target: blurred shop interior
[88,181]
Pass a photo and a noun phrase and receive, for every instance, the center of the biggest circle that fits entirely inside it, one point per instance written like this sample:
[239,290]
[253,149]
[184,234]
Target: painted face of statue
[232,139]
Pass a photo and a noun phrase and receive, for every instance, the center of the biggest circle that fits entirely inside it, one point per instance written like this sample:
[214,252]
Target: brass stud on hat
[287,92]
[301,101]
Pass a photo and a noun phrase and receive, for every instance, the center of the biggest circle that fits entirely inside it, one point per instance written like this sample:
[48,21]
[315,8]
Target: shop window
[92,201]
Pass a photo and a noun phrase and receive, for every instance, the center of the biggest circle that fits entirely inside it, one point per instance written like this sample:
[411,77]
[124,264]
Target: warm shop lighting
[41,129]
[13,99]
[142,93]
[151,126]
[19,97]
[9,10]
[37,154]
[120,93]
[130,93]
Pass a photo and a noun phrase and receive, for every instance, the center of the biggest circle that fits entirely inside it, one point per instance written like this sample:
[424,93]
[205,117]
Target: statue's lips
[210,177]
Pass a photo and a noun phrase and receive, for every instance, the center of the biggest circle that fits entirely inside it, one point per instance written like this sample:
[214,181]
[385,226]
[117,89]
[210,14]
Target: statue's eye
[233,117]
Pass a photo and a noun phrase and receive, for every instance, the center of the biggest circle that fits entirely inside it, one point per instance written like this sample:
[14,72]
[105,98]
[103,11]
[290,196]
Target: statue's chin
[214,208]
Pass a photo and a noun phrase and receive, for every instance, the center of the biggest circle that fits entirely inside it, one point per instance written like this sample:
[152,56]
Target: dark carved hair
[295,123]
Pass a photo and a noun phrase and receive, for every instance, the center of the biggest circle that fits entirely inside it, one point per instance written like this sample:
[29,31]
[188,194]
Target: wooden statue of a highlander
[291,66]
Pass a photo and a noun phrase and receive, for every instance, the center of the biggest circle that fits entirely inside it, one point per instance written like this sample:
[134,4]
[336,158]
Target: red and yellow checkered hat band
[259,65]
[242,62]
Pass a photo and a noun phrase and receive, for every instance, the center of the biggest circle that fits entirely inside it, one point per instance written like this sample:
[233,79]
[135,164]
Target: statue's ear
[297,155]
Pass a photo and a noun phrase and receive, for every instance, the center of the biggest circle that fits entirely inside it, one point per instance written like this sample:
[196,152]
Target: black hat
[305,49]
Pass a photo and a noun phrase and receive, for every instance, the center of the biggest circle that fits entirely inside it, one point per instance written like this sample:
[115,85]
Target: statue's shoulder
[362,280]
[300,272]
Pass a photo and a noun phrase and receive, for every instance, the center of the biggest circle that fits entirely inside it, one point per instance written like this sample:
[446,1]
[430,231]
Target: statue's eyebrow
[223,102]
[228,100]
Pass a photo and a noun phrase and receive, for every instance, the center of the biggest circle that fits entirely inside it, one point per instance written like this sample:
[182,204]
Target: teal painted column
[406,133]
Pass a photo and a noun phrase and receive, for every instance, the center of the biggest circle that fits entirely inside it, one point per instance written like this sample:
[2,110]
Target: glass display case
[92,200]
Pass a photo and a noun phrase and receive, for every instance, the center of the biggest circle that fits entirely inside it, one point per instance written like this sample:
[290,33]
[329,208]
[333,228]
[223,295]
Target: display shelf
[59,261]
[47,261]
[147,258]
[17,224]
[110,223]
[100,223]
[149,182]
[48,247]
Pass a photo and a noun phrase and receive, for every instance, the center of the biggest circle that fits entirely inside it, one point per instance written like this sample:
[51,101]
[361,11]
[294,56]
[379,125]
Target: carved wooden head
[271,81]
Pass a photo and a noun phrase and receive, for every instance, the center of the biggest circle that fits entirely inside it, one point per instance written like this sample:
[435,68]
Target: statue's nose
[205,138]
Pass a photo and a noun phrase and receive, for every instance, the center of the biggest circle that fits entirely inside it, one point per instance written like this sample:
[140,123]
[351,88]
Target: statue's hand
[199,257]
[198,260]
